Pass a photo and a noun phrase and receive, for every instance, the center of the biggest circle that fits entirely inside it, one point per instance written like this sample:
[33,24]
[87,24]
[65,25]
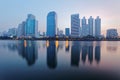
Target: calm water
[59,60]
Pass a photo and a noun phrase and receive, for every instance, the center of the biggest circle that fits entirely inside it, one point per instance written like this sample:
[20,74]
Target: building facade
[85,27]
[112,33]
[31,26]
[75,25]
[51,24]
[97,27]
[21,30]
[67,31]
[90,25]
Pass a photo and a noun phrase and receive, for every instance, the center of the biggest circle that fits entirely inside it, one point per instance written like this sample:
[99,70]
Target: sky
[13,12]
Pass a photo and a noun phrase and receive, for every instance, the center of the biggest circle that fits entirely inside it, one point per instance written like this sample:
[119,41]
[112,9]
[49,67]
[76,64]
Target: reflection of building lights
[25,44]
[66,44]
[57,44]
[47,43]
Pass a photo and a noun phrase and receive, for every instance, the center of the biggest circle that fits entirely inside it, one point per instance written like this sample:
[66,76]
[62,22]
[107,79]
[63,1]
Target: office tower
[97,27]
[90,26]
[51,24]
[31,26]
[75,25]
[67,31]
[112,33]
[21,30]
[85,27]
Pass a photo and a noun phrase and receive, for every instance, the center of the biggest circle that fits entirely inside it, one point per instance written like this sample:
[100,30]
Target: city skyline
[14,12]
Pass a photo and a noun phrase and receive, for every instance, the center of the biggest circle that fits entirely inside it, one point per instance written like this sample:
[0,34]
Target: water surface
[59,60]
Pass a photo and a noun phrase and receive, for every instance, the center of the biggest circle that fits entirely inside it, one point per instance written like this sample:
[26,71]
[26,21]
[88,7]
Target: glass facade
[67,31]
[51,24]
[31,25]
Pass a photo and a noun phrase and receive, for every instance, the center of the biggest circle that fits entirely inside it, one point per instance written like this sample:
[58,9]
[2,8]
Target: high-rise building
[21,30]
[85,27]
[31,26]
[51,24]
[112,33]
[67,31]
[97,27]
[90,25]
[75,25]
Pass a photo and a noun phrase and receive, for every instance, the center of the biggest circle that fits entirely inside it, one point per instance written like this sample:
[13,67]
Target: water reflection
[75,53]
[112,46]
[67,46]
[28,50]
[97,54]
[51,54]
[86,50]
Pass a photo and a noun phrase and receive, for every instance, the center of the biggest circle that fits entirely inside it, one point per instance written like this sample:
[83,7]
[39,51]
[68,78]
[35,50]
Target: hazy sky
[13,12]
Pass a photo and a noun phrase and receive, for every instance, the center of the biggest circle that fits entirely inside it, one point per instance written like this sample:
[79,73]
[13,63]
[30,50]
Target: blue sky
[13,12]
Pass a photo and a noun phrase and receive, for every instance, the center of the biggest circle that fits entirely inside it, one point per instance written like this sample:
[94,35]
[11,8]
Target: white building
[75,25]
[85,27]
[90,24]
[97,27]
[21,30]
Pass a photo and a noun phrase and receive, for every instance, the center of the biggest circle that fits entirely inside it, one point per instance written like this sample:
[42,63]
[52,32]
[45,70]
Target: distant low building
[12,32]
[112,33]
[67,31]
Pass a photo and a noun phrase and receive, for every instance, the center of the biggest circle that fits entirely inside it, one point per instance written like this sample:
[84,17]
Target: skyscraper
[21,30]
[31,26]
[97,27]
[75,25]
[90,25]
[85,29]
[67,31]
[51,24]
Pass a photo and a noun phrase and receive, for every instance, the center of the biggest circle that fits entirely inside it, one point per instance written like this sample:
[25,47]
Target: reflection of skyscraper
[90,53]
[51,55]
[97,54]
[87,49]
[75,53]
[29,52]
[84,53]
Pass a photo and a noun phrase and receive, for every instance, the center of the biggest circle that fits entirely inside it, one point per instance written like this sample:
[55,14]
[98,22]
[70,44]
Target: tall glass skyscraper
[31,26]
[90,24]
[97,27]
[75,25]
[51,24]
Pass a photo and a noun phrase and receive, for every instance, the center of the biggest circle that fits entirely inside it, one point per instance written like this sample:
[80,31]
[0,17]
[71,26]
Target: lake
[59,60]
